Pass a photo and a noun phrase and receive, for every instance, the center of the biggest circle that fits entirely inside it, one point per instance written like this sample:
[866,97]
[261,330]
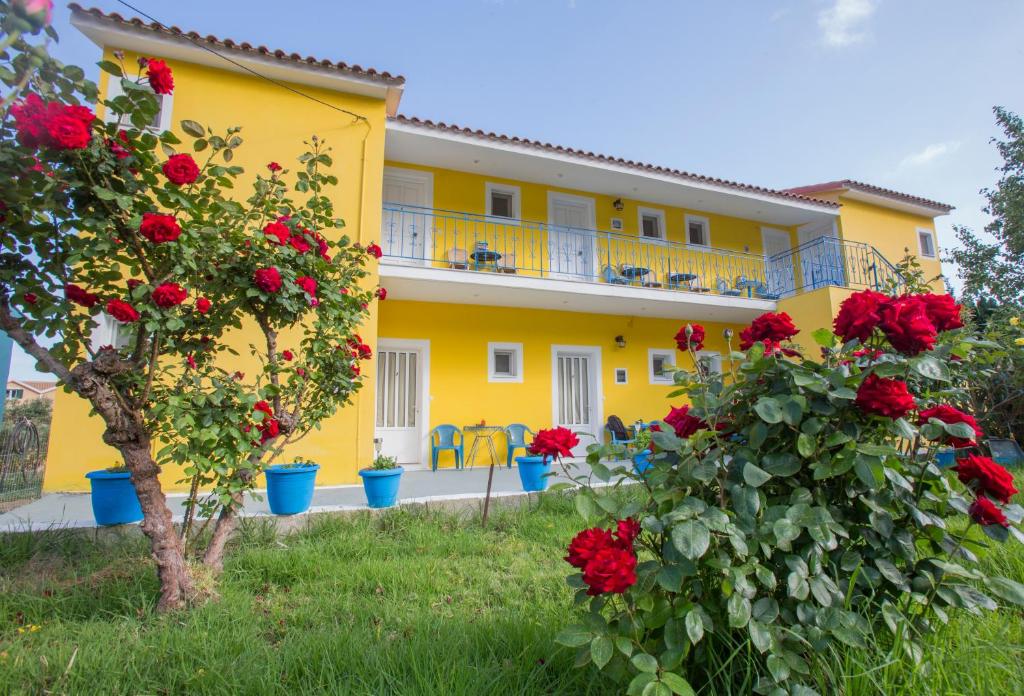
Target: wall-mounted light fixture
[620,341]
[618,205]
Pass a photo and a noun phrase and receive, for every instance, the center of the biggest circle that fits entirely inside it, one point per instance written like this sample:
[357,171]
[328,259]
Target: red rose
[627,531]
[682,422]
[884,397]
[263,407]
[307,284]
[374,250]
[943,311]
[30,297]
[274,167]
[382,294]
[267,279]
[612,570]
[203,305]
[269,429]
[695,341]
[67,132]
[120,147]
[122,311]
[948,414]
[906,324]
[80,296]
[554,442]
[160,77]
[159,228]
[168,295]
[859,315]
[30,121]
[772,327]
[299,243]
[988,477]
[181,169]
[300,372]
[287,355]
[190,361]
[586,544]
[984,512]
[278,231]
[322,247]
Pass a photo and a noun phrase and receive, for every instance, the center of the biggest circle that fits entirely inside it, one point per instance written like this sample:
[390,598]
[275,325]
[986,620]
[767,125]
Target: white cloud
[843,23]
[929,154]
[779,14]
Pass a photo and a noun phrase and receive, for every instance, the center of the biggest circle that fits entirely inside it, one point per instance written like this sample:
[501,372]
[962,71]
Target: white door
[577,394]
[821,256]
[407,221]
[399,411]
[778,261]
[571,241]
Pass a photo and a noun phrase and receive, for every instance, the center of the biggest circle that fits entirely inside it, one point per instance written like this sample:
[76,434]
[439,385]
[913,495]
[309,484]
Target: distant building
[22,390]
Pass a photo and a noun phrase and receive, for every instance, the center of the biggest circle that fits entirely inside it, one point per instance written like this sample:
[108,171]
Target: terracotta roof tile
[870,188]
[355,70]
[606,159]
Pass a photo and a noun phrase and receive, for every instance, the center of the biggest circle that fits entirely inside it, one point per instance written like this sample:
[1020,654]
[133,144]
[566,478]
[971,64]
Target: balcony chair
[723,287]
[761,292]
[515,438]
[445,440]
[458,258]
[507,262]
[609,275]
[651,280]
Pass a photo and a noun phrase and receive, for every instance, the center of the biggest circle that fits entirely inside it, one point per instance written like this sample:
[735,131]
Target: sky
[779,93]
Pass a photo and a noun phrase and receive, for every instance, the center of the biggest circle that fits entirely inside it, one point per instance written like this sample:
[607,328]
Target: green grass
[405,603]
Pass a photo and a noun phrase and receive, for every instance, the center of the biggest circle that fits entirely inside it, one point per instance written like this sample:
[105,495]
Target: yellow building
[527,283]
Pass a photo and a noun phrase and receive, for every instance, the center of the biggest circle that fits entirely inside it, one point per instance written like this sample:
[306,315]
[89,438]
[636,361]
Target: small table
[635,273]
[677,279]
[485,257]
[485,434]
[747,283]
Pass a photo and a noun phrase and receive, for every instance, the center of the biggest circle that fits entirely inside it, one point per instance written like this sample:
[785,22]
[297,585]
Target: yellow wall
[275,122]
[461,395]
[812,311]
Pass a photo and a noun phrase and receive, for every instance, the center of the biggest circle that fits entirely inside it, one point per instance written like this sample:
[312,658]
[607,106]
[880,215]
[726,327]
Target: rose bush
[793,506]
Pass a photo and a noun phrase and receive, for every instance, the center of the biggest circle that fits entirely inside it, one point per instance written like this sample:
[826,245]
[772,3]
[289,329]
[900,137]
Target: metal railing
[470,241]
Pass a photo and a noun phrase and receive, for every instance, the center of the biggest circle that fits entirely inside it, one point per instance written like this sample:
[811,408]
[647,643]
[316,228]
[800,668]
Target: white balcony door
[406,222]
[400,414]
[778,263]
[571,241]
[821,263]
[577,392]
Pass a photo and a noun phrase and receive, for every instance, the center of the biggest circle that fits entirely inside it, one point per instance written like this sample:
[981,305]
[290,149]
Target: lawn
[405,603]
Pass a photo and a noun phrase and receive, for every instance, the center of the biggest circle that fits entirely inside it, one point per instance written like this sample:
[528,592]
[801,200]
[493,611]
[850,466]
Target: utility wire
[246,68]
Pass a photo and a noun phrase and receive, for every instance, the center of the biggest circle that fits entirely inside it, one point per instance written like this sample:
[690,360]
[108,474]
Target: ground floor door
[400,418]
[577,392]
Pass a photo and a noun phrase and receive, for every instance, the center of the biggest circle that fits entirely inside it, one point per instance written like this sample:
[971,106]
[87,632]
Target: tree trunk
[227,522]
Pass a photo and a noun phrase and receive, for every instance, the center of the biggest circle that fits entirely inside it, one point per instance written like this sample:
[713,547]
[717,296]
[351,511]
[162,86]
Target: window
[710,361]
[502,201]
[652,223]
[15,393]
[504,362]
[698,231]
[926,241]
[621,376]
[161,121]
[660,360]
[110,332]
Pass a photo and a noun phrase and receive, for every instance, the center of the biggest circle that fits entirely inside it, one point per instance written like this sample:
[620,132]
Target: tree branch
[28,342]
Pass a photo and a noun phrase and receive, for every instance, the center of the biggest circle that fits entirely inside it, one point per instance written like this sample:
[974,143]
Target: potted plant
[113,496]
[380,481]
[290,486]
[642,451]
[548,444]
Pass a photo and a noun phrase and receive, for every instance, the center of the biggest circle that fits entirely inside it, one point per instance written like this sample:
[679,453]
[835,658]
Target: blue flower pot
[642,461]
[531,473]
[381,486]
[945,458]
[113,498]
[290,488]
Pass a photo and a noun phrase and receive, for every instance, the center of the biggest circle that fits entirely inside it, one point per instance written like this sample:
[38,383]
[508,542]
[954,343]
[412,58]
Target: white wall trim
[920,247]
[658,213]
[660,379]
[423,346]
[615,375]
[594,352]
[517,200]
[498,345]
[704,220]
[166,106]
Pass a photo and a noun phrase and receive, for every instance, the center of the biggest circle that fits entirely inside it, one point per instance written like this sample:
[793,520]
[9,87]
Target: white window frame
[625,375]
[109,332]
[669,358]
[920,247]
[714,354]
[166,102]
[707,230]
[517,350]
[656,213]
[514,191]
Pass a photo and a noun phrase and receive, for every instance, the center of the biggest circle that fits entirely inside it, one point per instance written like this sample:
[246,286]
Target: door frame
[594,353]
[415,176]
[767,232]
[422,345]
[591,205]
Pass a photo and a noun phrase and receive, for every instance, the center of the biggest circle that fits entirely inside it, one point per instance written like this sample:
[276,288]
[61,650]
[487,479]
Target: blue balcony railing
[469,241]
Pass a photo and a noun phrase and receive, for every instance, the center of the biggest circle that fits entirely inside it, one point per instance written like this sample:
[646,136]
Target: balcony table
[485,257]
[748,284]
[634,273]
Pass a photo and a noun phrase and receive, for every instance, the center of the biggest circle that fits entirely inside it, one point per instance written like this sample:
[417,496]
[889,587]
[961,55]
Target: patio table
[485,257]
[635,273]
[747,283]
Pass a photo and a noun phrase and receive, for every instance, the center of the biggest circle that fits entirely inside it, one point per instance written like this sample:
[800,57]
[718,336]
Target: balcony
[492,260]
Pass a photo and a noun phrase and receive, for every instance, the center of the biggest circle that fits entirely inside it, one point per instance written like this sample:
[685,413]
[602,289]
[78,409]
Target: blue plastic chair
[614,438]
[725,289]
[762,293]
[446,441]
[610,276]
[515,437]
